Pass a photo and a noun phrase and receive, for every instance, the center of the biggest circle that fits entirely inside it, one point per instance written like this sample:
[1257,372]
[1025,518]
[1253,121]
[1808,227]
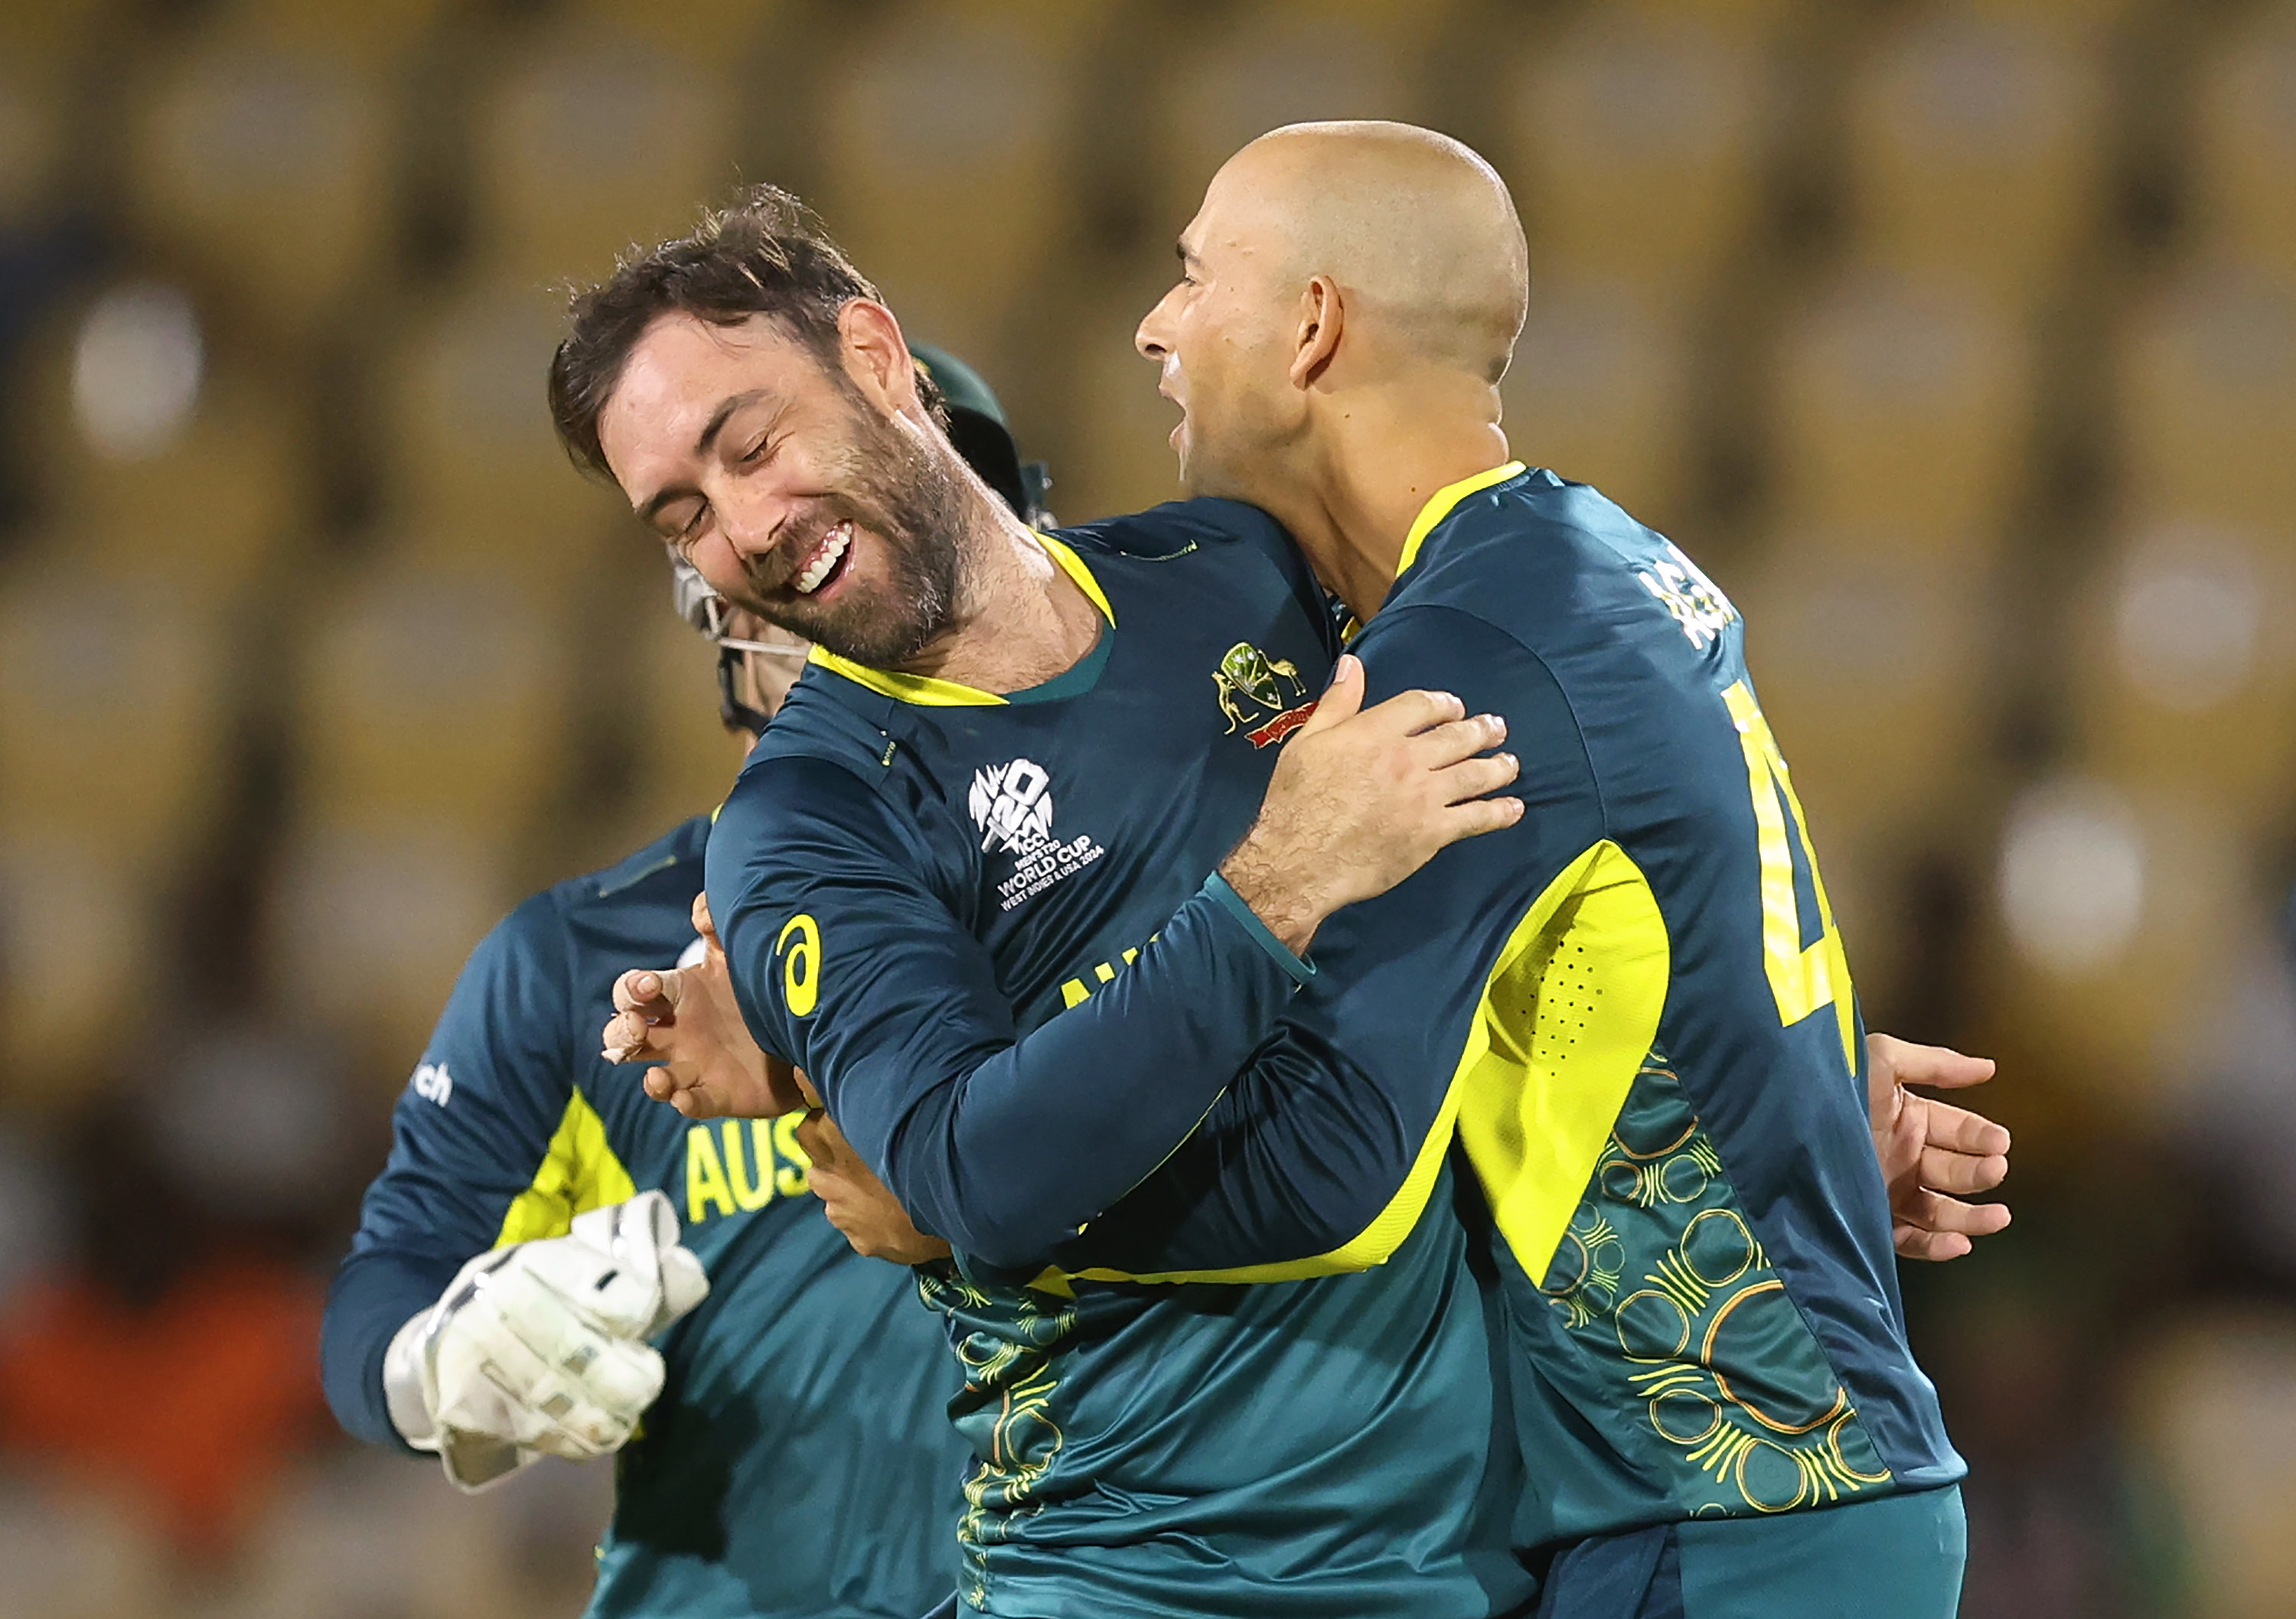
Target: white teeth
[824,559]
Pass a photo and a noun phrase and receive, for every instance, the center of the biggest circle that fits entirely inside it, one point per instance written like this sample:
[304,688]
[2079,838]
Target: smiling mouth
[827,558]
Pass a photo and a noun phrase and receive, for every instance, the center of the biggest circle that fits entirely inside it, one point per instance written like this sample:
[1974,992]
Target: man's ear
[877,357]
[1318,341]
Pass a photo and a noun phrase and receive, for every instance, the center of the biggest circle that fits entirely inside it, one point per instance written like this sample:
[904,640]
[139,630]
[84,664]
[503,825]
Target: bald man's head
[1415,226]
[1410,233]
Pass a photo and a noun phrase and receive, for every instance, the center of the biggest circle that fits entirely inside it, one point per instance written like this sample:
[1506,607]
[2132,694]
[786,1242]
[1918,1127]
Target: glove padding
[538,1349]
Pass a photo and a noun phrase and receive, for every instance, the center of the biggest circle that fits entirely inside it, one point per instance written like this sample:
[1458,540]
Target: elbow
[992,1208]
[1354,1238]
[1364,1229]
[1010,1236]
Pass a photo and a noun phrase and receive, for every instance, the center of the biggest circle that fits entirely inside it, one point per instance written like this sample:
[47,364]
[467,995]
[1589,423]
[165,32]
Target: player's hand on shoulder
[540,1348]
[685,1022]
[1933,1153]
[1363,797]
[860,1205]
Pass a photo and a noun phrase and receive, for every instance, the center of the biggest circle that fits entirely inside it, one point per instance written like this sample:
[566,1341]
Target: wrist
[406,1391]
[1288,907]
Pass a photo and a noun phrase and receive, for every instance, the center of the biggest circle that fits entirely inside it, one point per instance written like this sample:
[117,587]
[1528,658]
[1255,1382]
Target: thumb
[702,922]
[1342,699]
[1936,1066]
[668,986]
[785,1091]
[1905,1152]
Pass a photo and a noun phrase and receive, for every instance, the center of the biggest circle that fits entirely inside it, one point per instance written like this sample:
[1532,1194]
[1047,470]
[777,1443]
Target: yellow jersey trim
[1074,567]
[1375,1245]
[1569,1010]
[1441,506]
[927,692]
[921,689]
[579,1173]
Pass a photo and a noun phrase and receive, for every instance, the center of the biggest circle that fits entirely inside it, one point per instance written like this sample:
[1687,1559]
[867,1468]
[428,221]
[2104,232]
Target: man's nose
[751,521]
[1148,338]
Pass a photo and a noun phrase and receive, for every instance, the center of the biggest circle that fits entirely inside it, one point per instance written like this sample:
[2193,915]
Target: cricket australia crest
[1262,696]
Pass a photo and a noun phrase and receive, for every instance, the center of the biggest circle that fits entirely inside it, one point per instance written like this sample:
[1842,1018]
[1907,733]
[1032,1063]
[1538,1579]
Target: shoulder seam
[844,766]
[606,891]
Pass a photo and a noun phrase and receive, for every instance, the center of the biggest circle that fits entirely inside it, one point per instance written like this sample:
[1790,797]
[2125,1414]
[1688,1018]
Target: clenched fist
[856,1201]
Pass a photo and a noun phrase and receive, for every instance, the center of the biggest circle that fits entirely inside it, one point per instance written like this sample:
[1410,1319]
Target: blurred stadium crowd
[1957,340]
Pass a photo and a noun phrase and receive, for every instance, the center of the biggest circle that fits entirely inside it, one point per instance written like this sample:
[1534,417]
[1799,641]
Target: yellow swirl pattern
[1659,1276]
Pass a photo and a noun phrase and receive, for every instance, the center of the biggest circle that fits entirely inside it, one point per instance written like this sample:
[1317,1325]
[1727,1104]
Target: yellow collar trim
[1441,506]
[1073,566]
[923,690]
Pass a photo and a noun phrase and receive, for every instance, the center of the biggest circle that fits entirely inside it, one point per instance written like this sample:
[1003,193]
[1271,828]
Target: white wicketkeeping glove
[539,1348]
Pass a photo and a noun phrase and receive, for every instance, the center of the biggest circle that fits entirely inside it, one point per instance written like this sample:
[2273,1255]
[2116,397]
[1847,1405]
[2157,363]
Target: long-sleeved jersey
[1632,1012]
[936,900]
[799,1462]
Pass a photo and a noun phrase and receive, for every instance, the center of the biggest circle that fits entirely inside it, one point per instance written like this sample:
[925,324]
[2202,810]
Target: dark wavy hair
[765,254]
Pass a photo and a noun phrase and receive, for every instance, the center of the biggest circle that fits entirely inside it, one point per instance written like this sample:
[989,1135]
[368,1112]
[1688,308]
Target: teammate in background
[509,1270]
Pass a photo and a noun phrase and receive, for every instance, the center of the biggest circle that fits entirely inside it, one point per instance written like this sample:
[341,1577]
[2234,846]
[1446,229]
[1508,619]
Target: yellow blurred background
[1957,340]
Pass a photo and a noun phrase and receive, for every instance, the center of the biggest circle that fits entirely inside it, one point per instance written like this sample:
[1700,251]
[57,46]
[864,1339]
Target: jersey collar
[1441,506]
[927,692]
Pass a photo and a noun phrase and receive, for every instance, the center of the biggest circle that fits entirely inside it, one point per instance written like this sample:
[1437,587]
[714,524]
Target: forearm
[373,1295]
[1009,1159]
[1306,1160]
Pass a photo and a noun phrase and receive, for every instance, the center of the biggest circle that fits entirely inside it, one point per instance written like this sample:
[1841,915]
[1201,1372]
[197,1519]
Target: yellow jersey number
[1802,980]
[799,950]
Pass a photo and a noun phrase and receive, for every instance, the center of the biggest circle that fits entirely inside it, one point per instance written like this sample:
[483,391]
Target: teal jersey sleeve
[468,1132]
[849,959]
[1325,1146]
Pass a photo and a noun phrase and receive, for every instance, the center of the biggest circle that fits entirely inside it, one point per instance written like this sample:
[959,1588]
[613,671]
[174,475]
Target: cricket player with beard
[1016,774]
[1144,1442]
[774,1403]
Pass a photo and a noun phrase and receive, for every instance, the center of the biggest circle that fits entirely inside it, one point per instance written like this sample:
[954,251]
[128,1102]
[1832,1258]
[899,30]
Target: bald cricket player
[1001,1216]
[1632,1012]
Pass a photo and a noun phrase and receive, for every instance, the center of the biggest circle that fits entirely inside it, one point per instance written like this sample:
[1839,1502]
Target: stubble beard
[902,490]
